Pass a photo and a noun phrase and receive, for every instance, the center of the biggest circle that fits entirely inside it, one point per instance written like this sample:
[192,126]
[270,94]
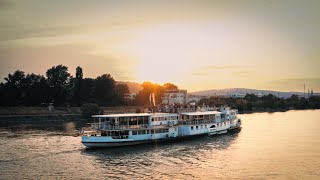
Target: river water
[281,145]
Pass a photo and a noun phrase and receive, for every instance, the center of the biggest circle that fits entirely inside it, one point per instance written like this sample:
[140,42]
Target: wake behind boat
[137,128]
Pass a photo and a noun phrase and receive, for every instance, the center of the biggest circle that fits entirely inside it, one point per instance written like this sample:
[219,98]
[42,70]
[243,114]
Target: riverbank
[10,115]
[62,114]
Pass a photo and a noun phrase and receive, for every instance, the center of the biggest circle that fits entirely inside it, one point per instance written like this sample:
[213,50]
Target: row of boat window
[224,123]
[164,118]
[197,127]
[154,131]
[205,126]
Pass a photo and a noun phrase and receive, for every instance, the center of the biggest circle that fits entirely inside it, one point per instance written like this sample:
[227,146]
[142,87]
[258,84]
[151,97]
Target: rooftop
[135,115]
[123,115]
[200,113]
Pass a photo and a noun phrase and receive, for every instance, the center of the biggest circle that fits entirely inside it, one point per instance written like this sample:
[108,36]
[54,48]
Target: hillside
[133,87]
[226,92]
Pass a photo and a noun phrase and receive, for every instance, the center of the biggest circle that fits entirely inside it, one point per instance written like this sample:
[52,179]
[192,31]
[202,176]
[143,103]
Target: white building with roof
[237,95]
[175,97]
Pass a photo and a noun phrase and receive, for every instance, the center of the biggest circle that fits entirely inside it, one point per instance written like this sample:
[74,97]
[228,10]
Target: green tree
[105,90]
[143,97]
[36,90]
[58,79]
[121,91]
[89,109]
[251,97]
[76,93]
[79,73]
[294,101]
[14,93]
[314,102]
[87,91]
[169,86]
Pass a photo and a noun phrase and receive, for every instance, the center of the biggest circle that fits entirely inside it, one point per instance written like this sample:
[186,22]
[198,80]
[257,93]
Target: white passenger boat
[137,128]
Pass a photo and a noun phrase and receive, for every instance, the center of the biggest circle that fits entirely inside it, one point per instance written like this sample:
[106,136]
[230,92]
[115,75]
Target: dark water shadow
[218,142]
[69,128]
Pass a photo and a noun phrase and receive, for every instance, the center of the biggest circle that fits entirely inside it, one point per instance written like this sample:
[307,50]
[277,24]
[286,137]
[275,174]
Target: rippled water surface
[270,145]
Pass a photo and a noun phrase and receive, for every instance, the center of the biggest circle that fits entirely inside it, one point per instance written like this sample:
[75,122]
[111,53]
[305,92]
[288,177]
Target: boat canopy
[164,114]
[122,115]
[200,113]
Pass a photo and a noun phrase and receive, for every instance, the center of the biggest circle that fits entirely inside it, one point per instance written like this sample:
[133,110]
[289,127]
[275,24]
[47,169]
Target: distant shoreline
[62,114]
[10,115]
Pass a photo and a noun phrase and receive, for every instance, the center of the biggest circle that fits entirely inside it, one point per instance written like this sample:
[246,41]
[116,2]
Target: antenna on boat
[304,90]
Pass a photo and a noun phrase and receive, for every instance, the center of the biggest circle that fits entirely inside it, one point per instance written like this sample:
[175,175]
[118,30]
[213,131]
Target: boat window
[152,119]
[196,127]
[205,126]
[167,130]
[213,126]
[134,132]
[191,127]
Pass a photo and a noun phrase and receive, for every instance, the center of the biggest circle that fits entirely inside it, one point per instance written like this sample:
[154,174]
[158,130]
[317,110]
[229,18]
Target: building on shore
[175,97]
[237,95]
[130,96]
[194,98]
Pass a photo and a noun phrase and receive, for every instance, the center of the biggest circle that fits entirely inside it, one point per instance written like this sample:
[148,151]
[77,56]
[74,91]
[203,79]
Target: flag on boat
[150,100]
[154,100]
[82,131]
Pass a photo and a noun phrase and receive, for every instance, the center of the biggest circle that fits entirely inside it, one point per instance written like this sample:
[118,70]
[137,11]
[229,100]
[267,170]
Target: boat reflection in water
[178,159]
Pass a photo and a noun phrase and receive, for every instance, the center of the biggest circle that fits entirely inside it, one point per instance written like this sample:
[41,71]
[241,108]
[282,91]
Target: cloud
[15,33]
[39,59]
[6,4]
[207,70]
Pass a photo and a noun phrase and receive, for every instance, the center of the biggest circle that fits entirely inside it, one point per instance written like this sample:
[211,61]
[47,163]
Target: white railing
[105,126]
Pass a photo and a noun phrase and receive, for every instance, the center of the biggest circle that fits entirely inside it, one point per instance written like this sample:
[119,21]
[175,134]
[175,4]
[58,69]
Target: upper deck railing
[106,126]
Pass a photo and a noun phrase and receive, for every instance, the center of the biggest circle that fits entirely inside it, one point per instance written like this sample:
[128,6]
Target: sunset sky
[197,45]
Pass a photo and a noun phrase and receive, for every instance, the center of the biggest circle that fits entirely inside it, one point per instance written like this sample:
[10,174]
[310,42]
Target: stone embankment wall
[35,114]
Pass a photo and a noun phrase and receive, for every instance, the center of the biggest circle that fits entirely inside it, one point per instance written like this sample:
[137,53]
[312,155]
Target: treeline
[60,88]
[143,98]
[251,102]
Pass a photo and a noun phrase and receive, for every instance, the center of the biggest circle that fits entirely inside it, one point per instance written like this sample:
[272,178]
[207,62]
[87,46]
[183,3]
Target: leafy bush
[89,109]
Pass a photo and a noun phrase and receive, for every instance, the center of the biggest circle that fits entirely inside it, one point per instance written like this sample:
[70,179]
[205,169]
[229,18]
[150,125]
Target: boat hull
[112,144]
[130,142]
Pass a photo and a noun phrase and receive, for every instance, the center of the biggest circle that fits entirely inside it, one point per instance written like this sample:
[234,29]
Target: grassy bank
[11,115]
[41,111]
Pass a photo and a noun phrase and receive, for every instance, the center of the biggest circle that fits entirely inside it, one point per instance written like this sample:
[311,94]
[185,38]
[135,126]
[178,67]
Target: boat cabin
[191,118]
[164,119]
[122,121]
